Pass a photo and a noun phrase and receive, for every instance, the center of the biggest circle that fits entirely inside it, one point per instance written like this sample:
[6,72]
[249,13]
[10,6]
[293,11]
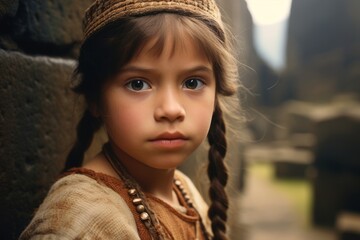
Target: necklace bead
[137,201]
[140,208]
[132,192]
[144,216]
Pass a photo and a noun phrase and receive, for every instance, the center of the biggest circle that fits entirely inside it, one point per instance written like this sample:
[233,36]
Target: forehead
[170,45]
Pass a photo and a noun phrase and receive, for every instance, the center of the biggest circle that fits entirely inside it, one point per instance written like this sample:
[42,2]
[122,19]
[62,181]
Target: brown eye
[137,85]
[193,84]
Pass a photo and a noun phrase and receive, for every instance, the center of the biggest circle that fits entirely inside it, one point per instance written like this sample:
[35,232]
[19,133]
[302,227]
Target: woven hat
[102,12]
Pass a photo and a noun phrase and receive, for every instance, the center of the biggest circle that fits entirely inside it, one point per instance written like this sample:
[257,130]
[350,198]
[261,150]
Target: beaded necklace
[139,199]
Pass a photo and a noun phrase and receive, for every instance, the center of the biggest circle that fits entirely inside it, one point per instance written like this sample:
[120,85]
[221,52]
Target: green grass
[297,191]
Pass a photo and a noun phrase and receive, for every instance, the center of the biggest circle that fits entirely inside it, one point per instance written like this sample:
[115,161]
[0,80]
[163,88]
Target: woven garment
[89,205]
[102,12]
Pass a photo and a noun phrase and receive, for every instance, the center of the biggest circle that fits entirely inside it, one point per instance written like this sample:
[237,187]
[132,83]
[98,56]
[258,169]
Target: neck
[158,182]
[155,181]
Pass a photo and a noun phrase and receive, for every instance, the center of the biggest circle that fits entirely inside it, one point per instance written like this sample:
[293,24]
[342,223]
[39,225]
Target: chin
[166,163]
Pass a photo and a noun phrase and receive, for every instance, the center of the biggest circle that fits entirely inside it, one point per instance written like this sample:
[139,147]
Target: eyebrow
[200,68]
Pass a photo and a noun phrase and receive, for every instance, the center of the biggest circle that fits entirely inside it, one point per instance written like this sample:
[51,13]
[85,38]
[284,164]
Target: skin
[157,110]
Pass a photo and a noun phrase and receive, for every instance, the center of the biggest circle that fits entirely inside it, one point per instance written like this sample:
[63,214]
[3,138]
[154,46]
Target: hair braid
[85,131]
[218,175]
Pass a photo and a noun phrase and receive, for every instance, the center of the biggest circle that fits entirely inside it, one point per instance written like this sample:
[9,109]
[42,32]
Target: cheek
[204,118]
[119,115]
[202,115]
[126,118]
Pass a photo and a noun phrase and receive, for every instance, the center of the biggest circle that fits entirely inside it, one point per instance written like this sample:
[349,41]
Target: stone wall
[39,41]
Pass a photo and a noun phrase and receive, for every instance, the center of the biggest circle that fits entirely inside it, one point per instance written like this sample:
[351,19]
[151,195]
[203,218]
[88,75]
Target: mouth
[170,140]
[169,136]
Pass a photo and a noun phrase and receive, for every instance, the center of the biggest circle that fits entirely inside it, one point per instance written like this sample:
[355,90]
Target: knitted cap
[102,12]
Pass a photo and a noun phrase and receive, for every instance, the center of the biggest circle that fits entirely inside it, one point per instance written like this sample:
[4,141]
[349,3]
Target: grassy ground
[297,191]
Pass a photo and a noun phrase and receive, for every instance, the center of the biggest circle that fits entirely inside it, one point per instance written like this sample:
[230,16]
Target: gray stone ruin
[329,133]
[336,183]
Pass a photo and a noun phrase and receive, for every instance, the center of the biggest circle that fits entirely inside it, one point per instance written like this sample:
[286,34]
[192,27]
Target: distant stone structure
[322,147]
[323,50]
[336,184]
[323,61]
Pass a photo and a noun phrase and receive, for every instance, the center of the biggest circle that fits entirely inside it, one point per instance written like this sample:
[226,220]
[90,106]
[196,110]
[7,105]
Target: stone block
[8,8]
[48,26]
[333,192]
[348,226]
[338,142]
[298,117]
[291,163]
[38,114]
[290,170]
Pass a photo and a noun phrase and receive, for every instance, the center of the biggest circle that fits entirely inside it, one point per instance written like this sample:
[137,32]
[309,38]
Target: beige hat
[102,12]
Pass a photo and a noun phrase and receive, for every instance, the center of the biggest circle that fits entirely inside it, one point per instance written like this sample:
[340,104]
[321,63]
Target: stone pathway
[267,214]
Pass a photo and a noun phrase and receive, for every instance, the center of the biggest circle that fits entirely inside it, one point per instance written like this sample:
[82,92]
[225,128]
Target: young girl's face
[158,108]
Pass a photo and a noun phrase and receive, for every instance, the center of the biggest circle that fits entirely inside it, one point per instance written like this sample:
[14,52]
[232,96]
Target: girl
[153,74]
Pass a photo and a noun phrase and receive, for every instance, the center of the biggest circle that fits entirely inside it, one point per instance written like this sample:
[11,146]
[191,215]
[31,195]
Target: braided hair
[86,128]
[218,175]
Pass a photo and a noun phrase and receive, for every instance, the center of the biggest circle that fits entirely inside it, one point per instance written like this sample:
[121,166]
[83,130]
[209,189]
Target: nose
[169,106]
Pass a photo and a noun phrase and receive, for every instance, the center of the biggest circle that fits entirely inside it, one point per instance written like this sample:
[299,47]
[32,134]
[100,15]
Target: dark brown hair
[103,54]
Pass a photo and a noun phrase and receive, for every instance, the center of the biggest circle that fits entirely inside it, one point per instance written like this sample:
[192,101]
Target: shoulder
[199,202]
[78,206]
[190,187]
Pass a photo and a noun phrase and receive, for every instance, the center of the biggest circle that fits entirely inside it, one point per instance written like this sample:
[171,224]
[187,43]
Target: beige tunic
[82,207]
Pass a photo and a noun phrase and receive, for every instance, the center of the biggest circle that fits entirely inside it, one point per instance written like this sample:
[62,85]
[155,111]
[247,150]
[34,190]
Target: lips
[169,136]
[169,140]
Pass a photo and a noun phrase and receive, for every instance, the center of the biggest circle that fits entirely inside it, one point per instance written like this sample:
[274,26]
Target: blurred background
[301,155]
[295,166]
